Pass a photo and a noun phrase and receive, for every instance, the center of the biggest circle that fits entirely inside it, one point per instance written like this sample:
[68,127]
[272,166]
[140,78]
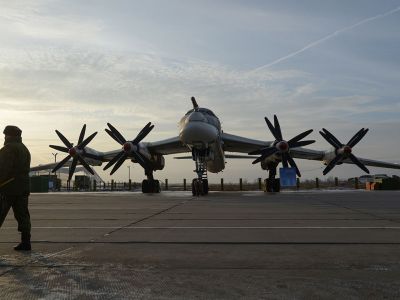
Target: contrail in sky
[321,40]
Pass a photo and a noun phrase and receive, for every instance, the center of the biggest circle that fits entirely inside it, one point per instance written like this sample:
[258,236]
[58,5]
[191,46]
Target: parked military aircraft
[200,133]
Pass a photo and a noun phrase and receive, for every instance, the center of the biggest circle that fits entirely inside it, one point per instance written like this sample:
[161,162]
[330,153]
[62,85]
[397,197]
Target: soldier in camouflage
[15,162]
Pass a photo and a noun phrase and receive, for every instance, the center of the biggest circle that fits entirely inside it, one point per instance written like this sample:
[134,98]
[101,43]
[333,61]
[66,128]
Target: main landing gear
[200,184]
[272,184]
[150,185]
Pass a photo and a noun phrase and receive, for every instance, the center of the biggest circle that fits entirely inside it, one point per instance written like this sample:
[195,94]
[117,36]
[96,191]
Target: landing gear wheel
[150,186]
[145,186]
[277,185]
[205,186]
[198,187]
[157,188]
[273,185]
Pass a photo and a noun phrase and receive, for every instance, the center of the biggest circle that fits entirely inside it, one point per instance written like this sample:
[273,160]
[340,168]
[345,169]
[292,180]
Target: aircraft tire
[156,187]
[145,186]
[205,186]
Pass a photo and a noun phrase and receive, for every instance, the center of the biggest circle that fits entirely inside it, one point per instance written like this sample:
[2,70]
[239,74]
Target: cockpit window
[202,110]
[206,111]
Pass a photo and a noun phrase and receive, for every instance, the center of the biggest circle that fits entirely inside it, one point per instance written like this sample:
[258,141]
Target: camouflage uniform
[15,163]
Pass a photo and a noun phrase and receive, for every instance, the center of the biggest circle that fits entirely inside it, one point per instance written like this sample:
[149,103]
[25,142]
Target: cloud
[325,38]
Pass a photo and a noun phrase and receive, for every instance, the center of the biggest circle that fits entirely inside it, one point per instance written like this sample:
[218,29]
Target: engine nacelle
[157,161]
[91,161]
[273,159]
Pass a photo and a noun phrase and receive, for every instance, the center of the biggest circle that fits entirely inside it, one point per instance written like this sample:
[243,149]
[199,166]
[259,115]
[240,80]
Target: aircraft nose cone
[198,132]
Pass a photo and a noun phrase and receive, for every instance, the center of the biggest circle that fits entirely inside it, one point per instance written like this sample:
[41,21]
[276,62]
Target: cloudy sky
[332,64]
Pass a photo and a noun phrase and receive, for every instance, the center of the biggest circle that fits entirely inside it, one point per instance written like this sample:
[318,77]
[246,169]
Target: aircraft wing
[235,143]
[374,163]
[48,166]
[168,146]
[304,153]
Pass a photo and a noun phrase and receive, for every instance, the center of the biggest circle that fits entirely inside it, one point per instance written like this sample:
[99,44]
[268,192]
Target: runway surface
[228,245]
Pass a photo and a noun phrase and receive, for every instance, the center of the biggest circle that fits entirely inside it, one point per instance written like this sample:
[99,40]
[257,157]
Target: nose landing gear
[200,184]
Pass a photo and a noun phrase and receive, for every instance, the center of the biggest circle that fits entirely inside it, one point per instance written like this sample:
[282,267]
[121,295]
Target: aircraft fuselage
[200,129]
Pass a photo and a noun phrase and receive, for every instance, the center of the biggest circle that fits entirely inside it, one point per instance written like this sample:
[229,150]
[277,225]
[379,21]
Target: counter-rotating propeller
[343,151]
[129,148]
[282,146]
[76,152]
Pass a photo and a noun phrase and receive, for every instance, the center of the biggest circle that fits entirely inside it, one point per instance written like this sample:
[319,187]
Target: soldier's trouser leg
[5,206]
[21,213]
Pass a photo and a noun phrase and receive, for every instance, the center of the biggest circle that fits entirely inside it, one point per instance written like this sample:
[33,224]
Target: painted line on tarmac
[213,227]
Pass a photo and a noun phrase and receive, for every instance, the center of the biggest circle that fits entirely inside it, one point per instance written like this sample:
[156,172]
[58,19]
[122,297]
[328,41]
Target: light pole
[55,157]
[129,176]
[55,161]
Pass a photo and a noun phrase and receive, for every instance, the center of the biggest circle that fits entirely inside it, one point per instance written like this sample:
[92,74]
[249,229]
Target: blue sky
[332,64]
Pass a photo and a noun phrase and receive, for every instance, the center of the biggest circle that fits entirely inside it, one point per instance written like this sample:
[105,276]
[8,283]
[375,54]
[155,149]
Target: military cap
[12,130]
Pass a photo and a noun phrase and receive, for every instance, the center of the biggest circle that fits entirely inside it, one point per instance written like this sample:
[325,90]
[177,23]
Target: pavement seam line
[143,219]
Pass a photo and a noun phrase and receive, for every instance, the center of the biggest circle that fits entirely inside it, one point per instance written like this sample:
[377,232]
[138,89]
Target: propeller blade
[336,146]
[271,128]
[82,135]
[299,136]
[332,163]
[292,163]
[86,141]
[261,151]
[284,160]
[266,152]
[277,128]
[59,148]
[117,134]
[140,160]
[143,133]
[113,160]
[357,137]
[257,160]
[72,167]
[113,136]
[61,163]
[85,164]
[119,163]
[301,143]
[332,137]
[64,140]
[358,163]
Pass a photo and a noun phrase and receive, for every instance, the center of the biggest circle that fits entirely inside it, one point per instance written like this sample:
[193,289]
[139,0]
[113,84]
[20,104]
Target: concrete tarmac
[228,245]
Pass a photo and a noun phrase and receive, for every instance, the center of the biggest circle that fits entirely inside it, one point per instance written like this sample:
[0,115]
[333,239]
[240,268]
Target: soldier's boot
[25,244]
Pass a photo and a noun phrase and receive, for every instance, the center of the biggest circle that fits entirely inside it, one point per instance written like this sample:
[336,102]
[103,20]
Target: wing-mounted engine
[78,153]
[279,150]
[342,151]
[133,149]
[157,162]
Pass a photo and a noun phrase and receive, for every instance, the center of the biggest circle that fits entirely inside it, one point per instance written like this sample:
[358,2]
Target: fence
[240,185]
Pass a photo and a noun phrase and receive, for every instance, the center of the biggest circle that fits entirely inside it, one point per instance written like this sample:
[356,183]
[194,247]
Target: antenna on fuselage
[195,105]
